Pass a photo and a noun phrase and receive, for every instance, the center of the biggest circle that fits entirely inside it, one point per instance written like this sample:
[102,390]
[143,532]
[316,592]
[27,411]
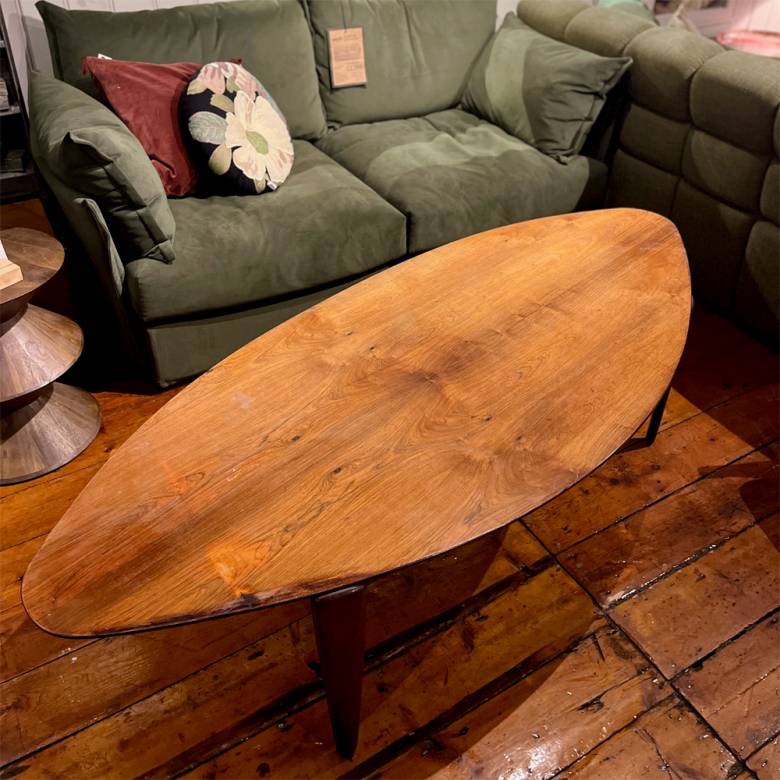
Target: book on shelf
[14,161]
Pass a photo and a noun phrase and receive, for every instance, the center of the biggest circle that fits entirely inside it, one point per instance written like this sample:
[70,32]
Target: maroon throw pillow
[145,96]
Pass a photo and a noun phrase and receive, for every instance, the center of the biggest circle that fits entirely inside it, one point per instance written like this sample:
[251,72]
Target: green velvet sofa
[396,167]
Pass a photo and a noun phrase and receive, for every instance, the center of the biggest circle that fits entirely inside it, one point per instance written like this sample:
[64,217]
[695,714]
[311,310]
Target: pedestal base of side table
[37,347]
[46,433]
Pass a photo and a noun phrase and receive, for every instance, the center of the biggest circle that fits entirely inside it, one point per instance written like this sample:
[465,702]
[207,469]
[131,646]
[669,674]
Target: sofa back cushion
[696,145]
[83,144]
[271,37]
[418,54]
[541,90]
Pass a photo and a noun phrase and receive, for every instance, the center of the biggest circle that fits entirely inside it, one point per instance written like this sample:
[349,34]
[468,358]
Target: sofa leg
[655,418]
[339,629]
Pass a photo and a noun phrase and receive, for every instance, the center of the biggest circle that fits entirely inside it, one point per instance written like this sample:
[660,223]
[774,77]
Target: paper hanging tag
[347,57]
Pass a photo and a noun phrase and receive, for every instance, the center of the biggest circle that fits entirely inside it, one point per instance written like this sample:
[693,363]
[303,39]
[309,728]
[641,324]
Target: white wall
[30,48]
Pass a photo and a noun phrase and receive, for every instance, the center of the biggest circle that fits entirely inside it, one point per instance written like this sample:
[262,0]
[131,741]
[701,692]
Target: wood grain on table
[410,414]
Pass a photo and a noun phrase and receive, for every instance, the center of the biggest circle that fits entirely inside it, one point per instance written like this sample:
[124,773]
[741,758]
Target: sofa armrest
[110,255]
[81,217]
[96,273]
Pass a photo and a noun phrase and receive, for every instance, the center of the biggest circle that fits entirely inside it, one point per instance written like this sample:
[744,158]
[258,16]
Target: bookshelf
[17,177]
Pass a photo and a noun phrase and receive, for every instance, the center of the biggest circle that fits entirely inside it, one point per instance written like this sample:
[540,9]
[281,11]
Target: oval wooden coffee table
[44,423]
[419,409]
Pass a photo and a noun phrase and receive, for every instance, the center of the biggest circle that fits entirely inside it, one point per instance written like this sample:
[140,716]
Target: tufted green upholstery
[698,142]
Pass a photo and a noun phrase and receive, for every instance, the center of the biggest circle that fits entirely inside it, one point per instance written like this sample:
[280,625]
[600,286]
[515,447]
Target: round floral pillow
[231,117]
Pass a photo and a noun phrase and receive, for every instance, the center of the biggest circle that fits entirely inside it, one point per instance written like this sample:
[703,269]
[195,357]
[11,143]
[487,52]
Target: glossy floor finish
[629,629]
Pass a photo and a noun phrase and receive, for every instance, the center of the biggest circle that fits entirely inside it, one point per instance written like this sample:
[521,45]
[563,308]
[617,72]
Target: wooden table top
[38,254]
[403,417]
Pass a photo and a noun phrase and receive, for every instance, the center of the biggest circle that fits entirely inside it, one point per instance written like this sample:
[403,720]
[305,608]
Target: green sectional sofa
[397,167]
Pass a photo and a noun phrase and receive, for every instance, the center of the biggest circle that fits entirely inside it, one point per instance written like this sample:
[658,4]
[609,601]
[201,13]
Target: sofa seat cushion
[453,174]
[322,226]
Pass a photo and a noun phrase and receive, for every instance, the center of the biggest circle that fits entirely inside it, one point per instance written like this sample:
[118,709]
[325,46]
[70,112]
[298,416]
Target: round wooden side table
[43,423]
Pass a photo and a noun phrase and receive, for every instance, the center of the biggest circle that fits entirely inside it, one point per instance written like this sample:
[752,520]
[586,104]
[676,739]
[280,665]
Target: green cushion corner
[540,90]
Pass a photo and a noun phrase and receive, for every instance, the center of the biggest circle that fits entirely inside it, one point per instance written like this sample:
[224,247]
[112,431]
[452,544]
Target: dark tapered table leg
[655,419]
[339,628]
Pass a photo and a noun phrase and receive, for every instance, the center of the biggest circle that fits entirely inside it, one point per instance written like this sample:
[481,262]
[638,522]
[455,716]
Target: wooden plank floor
[629,629]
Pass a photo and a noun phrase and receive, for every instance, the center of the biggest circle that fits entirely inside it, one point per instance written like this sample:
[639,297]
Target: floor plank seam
[708,475]
[375,659]
[737,768]
[399,644]
[676,693]
[631,641]
[274,715]
[25,541]
[744,390]
[45,480]
[697,556]
[151,694]
[460,709]
[36,536]
[603,612]
[675,683]
[606,611]
[740,765]
[696,664]
[54,658]
[762,746]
